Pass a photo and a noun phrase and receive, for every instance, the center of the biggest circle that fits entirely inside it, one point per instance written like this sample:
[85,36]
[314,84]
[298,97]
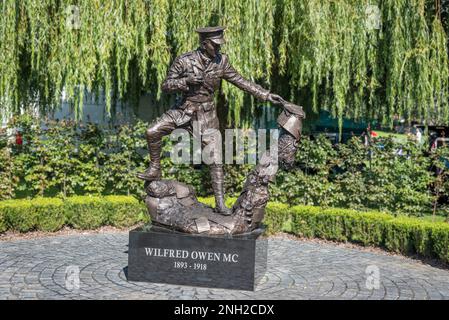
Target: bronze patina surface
[197,75]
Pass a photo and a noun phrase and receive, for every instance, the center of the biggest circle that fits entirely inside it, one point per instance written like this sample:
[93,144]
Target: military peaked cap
[213,33]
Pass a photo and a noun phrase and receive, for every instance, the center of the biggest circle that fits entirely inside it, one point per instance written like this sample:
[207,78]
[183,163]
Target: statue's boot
[217,176]
[153,172]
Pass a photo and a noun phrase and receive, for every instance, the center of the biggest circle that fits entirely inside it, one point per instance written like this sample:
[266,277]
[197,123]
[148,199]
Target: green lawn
[430,218]
[398,137]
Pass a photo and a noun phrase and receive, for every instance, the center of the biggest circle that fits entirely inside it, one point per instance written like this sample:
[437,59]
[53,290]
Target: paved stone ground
[35,269]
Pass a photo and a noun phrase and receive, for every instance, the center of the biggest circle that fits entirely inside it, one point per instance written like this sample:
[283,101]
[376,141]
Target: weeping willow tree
[361,59]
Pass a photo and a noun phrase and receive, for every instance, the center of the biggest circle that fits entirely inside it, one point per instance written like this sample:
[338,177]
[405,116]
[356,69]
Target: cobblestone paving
[36,269]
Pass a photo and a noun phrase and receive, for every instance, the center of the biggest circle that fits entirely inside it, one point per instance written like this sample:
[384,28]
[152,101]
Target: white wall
[94,110]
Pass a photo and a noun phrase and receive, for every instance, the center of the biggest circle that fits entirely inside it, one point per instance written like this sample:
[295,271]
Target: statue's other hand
[275,99]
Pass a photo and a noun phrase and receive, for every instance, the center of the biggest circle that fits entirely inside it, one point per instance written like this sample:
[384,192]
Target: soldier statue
[197,75]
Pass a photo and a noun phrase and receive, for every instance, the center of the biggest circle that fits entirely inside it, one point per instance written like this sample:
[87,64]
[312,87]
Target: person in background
[371,132]
[418,135]
[368,135]
[19,139]
[433,141]
[443,138]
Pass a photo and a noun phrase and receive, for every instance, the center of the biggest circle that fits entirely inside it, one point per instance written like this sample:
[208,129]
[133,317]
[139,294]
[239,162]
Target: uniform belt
[200,99]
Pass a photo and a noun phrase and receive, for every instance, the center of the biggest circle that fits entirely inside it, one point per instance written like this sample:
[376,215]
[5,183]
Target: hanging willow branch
[328,49]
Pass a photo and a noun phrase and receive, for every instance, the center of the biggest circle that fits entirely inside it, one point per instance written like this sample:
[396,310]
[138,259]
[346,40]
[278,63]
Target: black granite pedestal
[164,256]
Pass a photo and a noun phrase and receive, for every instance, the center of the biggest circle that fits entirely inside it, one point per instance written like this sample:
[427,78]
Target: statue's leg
[161,127]
[213,141]
[217,177]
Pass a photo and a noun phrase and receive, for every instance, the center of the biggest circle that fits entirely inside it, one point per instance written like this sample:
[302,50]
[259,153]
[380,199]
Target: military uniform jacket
[198,100]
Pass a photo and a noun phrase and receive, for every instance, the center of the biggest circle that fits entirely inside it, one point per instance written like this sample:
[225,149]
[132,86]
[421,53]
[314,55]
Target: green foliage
[119,161]
[38,214]
[49,212]
[403,234]
[386,176]
[66,159]
[81,212]
[86,212]
[276,216]
[440,165]
[338,224]
[18,215]
[125,211]
[210,201]
[3,225]
[362,70]
[8,179]
[88,158]
[56,159]
[330,51]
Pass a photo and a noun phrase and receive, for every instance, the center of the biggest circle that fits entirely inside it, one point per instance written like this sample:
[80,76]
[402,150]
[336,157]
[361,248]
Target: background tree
[357,58]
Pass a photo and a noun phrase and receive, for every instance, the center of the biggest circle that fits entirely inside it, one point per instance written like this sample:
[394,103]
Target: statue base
[161,255]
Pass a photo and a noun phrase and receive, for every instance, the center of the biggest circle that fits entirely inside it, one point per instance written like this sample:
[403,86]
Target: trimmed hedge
[81,212]
[399,234]
[125,211]
[276,216]
[86,212]
[46,214]
[405,235]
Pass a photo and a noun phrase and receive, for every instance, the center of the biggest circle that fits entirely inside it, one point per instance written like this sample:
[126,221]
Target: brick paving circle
[37,268]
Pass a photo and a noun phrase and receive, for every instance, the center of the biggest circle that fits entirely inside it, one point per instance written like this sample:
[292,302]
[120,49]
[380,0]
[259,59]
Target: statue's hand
[275,99]
[193,79]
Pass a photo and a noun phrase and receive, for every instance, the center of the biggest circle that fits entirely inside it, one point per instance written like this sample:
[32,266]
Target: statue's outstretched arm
[231,75]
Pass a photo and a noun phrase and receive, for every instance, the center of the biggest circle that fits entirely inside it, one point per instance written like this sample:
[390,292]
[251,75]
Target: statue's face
[212,49]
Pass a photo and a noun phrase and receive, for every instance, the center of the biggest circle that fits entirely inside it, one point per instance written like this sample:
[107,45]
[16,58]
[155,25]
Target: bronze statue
[197,75]
[172,204]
